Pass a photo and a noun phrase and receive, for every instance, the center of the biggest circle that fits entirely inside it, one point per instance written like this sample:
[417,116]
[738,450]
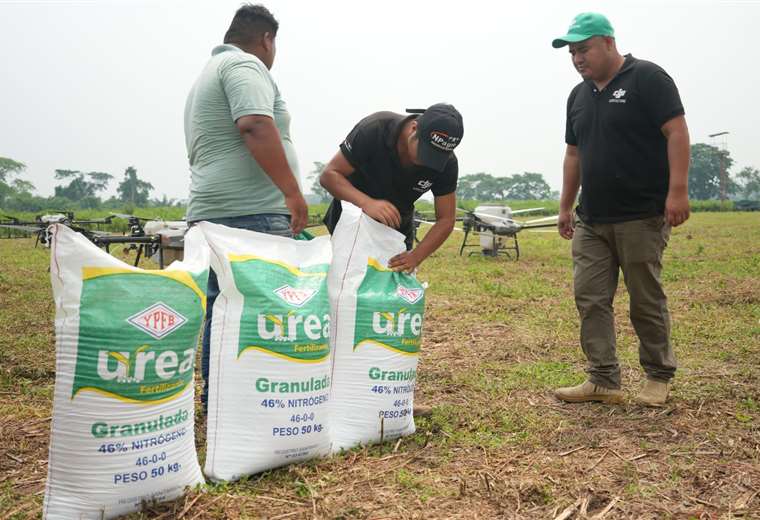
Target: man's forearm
[434,238]
[678,161]
[340,188]
[262,139]
[571,182]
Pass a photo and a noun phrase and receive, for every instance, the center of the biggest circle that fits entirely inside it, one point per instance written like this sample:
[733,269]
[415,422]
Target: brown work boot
[653,393]
[588,391]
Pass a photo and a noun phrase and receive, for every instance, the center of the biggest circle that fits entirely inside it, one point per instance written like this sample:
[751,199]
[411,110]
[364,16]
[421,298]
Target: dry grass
[499,336]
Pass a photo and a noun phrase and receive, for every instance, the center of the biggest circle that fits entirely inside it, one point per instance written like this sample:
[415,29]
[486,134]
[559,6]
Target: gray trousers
[600,251]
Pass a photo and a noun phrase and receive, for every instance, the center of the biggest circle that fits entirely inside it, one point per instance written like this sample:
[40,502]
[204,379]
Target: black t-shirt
[623,153]
[371,149]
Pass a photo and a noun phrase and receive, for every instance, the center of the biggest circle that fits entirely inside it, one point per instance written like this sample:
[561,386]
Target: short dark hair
[250,23]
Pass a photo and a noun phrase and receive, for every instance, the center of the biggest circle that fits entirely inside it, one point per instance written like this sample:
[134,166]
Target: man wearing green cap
[628,149]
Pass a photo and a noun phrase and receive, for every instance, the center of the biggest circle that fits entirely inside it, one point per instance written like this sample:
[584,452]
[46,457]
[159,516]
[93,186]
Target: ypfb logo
[410,295]
[295,296]
[158,320]
[294,326]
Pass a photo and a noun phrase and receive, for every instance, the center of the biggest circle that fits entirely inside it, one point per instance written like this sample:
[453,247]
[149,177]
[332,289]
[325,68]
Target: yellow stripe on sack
[291,268]
[129,399]
[372,262]
[383,345]
[274,319]
[283,356]
[183,277]
[120,358]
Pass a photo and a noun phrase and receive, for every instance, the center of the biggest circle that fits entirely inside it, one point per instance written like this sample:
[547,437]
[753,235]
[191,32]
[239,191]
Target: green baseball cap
[585,26]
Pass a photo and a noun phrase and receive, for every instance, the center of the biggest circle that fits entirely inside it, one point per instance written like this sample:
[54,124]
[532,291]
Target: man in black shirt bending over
[387,162]
[628,149]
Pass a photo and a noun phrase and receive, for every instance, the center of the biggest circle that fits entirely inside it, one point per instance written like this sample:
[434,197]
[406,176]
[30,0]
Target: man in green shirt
[243,166]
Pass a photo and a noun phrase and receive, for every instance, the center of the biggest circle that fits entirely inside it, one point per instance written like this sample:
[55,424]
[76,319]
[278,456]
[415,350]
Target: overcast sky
[101,85]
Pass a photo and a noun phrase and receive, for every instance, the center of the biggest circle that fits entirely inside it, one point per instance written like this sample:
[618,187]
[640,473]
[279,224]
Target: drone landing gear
[495,245]
[147,244]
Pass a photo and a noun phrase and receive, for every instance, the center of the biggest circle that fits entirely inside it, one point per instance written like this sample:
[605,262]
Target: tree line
[478,186]
[77,190]
[704,181]
[82,190]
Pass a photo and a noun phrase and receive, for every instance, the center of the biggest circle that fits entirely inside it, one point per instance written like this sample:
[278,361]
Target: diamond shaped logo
[295,296]
[158,320]
[410,295]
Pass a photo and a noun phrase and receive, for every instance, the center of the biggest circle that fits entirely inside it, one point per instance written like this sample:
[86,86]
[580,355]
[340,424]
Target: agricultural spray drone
[496,229]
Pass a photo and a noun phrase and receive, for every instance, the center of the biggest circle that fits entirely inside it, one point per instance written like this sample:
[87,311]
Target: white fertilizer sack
[377,328]
[122,428]
[269,372]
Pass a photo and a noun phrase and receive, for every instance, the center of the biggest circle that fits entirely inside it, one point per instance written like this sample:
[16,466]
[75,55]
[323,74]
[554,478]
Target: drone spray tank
[490,243]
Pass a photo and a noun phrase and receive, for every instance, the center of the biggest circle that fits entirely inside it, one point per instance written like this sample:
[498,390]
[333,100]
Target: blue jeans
[271,223]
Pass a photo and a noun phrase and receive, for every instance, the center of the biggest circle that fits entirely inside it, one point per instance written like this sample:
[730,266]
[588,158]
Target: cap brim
[570,38]
[431,157]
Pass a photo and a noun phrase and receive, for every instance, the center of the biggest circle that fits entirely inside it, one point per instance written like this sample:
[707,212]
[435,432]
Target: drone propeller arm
[534,226]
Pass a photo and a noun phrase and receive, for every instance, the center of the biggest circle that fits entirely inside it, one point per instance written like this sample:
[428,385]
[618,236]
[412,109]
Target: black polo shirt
[623,153]
[371,149]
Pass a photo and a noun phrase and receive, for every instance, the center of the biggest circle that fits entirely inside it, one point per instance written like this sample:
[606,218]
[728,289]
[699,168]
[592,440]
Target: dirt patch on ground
[499,337]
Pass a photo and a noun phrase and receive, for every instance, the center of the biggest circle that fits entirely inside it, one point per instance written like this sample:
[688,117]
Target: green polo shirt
[226,181]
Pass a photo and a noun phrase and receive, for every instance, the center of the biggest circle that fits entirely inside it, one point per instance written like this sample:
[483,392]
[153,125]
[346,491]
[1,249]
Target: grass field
[499,336]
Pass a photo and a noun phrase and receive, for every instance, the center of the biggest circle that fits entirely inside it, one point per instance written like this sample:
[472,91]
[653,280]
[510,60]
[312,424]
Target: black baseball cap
[439,130]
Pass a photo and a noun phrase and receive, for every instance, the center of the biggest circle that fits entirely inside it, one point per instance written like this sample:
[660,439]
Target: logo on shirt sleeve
[422,186]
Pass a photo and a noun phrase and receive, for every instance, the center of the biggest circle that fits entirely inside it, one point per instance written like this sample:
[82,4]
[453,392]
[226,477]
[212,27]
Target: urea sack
[122,428]
[269,372]
[377,327]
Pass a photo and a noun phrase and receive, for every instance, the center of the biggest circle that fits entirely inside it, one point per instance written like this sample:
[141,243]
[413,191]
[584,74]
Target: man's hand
[677,208]
[383,211]
[262,138]
[299,212]
[565,225]
[405,262]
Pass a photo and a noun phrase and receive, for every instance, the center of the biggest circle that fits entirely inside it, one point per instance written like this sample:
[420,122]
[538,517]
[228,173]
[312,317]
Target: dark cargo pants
[600,251]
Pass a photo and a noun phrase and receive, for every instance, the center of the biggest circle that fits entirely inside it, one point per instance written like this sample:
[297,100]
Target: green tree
[315,187]
[748,181]
[481,186]
[528,186]
[8,168]
[22,186]
[704,171]
[81,185]
[468,184]
[163,201]
[132,190]
[485,187]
